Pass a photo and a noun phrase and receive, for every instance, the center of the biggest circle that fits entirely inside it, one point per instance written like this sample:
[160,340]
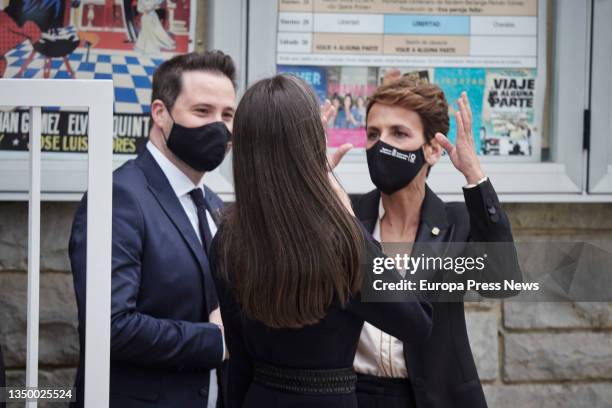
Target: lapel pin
[435,231]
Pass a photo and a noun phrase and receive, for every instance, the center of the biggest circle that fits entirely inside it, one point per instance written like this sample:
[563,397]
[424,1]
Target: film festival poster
[502,101]
[121,40]
[348,89]
[508,122]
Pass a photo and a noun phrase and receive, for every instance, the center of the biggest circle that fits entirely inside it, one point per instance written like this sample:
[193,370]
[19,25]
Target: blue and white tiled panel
[131,73]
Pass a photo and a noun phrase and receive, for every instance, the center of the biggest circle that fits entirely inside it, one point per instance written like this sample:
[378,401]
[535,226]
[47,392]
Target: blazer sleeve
[137,337]
[490,224]
[408,318]
[239,367]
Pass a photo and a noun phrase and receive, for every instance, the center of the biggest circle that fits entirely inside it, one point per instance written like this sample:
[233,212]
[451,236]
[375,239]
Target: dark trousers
[379,392]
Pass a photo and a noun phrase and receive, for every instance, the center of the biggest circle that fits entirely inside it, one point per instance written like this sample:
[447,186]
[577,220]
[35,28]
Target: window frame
[600,151]
[562,179]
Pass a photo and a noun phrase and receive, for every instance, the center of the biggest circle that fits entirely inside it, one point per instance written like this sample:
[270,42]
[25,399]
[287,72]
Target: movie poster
[508,112]
[453,81]
[121,40]
[347,88]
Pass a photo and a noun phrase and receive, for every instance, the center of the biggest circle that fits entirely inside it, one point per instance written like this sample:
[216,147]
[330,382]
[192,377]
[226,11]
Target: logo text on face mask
[410,157]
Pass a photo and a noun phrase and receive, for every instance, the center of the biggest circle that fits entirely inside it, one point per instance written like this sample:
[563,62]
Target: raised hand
[391,75]
[335,157]
[327,111]
[333,160]
[463,153]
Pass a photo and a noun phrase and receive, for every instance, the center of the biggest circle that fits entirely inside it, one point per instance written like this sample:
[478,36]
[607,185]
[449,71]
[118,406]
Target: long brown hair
[289,247]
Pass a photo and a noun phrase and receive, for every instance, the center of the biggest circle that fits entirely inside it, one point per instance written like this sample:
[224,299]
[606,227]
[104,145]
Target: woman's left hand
[463,153]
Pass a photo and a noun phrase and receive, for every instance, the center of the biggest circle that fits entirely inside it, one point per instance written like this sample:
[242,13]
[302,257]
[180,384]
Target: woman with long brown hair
[289,261]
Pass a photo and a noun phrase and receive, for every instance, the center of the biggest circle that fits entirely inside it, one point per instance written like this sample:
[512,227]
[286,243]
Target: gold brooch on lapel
[435,231]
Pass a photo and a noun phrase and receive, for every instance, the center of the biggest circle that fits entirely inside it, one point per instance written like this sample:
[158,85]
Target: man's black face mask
[202,148]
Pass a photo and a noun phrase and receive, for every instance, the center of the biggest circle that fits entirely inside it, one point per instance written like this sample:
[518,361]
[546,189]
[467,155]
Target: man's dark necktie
[197,195]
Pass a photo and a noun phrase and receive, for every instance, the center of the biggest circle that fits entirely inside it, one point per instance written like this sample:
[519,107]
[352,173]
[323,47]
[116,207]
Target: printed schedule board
[493,49]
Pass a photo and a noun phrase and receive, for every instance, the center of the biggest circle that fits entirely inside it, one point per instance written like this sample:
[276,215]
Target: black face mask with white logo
[392,169]
[202,148]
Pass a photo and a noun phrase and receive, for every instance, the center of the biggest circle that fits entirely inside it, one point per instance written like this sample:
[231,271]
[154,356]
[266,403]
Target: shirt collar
[180,183]
[433,213]
[381,214]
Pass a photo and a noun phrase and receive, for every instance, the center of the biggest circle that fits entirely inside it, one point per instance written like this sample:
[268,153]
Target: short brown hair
[167,79]
[427,100]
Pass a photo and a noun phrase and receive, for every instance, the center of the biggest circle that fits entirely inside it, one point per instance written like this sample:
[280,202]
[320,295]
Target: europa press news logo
[410,157]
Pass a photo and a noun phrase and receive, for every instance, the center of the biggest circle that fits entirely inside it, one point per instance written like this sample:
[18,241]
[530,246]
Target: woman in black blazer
[406,124]
[289,261]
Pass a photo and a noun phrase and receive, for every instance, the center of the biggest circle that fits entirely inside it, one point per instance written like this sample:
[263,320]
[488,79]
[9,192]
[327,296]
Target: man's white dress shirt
[182,185]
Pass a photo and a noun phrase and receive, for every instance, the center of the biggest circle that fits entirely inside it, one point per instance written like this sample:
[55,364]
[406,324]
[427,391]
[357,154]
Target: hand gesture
[391,75]
[333,160]
[215,317]
[463,153]
[327,111]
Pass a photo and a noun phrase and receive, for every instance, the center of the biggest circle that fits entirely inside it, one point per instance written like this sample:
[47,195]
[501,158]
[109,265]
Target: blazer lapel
[213,207]
[433,227]
[434,232]
[162,191]
[366,209]
[432,239]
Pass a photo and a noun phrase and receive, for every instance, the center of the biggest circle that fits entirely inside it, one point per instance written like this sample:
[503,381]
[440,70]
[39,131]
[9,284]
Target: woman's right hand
[328,111]
[391,75]
[333,160]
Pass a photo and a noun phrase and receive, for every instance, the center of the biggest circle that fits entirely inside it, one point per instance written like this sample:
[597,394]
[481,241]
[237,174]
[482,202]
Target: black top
[330,343]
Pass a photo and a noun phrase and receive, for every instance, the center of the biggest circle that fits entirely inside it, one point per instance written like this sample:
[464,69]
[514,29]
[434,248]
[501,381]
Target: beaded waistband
[306,381]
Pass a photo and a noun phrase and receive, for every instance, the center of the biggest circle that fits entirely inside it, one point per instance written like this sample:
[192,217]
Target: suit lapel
[366,209]
[169,202]
[213,207]
[433,219]
[433,215]
[434,232]
[432,239]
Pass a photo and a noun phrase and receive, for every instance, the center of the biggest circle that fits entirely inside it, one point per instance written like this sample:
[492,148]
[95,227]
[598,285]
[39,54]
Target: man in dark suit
[166,330]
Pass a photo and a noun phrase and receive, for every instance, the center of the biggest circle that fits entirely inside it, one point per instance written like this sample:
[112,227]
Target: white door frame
[97,96]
